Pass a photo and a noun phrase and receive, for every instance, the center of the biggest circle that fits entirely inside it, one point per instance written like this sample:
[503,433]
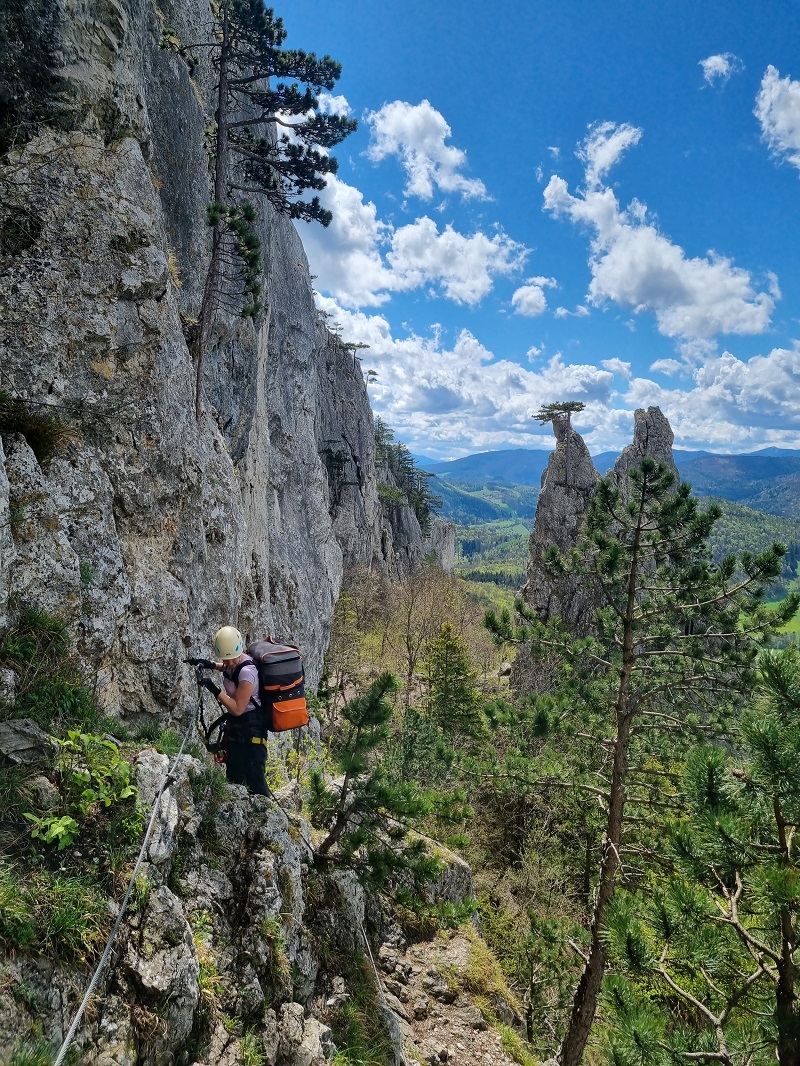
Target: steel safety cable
[168,780]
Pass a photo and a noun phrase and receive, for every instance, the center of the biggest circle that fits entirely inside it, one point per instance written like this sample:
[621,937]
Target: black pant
[245,765]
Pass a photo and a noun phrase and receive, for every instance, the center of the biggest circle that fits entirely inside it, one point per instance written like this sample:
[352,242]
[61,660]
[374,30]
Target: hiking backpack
[281,683]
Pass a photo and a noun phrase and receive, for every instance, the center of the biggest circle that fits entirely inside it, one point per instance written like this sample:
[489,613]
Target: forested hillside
[495,551]
[509,481]
[699,857]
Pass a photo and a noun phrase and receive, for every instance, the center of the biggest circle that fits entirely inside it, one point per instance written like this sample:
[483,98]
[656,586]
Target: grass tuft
[359,1031]
[55,914]
[43,431]
[32,1053]
[51,686]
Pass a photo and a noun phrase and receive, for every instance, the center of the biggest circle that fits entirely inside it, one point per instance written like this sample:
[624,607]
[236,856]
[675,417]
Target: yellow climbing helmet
[228,643]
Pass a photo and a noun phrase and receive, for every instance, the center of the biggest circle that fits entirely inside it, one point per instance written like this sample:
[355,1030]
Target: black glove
[209,664]
[212,687]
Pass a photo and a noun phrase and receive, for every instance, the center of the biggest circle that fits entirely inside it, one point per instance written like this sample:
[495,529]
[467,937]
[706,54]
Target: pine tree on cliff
[270,139]
[552,412]
[676,637]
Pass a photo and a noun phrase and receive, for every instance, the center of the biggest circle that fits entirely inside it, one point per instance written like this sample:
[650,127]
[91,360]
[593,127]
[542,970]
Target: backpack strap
[234,674]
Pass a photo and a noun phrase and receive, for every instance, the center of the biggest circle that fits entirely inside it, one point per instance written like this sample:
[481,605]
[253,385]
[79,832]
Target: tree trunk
[584,1003]
[787,1015]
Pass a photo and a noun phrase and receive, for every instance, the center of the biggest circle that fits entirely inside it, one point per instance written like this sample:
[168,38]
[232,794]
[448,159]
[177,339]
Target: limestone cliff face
[367,528]
[568,485]
[652,437]
[149,526]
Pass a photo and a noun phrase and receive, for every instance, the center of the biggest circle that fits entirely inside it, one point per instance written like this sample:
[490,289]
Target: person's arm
[236,704]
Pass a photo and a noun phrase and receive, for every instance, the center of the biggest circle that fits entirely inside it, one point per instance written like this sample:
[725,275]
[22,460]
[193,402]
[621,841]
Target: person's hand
[209,664]
[212,687]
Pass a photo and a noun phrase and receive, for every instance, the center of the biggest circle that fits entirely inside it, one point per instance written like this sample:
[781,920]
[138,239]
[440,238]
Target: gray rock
[45,795]
[652,437]
[151,770]
[161,961]
[560,511]
[24,743]
[454,883]
[420,1008]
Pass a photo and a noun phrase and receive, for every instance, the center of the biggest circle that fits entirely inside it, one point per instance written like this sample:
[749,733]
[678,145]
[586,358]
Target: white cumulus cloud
[346,256]
[667,366]
[731,402]
[530,299]
[360,260]
[637,267]
[778,111]
[617,366]
[333,105]
[604,145]
[449,394]
[462,267]
[581,311]
[417,135]
[718,68]
[454,394]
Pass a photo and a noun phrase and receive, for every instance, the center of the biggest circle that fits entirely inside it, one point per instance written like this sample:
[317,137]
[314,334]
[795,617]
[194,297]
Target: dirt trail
[425,988]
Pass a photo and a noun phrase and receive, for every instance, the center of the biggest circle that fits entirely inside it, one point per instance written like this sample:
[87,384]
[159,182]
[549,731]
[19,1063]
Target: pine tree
[453,700]
[367,816]
[674,644]
[721,932]
[270,139]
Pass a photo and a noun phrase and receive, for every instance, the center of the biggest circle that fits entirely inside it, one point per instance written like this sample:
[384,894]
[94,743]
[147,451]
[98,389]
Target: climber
[245,736]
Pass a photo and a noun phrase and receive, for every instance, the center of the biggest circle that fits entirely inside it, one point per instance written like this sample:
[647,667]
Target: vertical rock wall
[560,512]
[148,526]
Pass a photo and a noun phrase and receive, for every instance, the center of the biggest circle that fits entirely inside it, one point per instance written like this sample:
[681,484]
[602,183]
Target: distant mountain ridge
[767,480]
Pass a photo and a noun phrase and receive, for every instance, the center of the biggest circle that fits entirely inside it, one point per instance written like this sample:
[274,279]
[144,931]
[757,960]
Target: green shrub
[389,494]
[35,633]
[55,701]
[32,1053]
[516,1047]
[51,685]
[97,795]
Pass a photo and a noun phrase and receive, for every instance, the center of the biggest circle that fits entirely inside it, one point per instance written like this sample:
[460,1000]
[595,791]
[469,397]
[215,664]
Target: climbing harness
[213,735]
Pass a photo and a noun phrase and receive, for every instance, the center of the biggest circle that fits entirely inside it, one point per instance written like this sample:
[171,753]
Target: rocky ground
[432,988]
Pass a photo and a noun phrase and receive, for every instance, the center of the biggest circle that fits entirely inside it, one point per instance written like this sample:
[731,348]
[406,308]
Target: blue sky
[569,200]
